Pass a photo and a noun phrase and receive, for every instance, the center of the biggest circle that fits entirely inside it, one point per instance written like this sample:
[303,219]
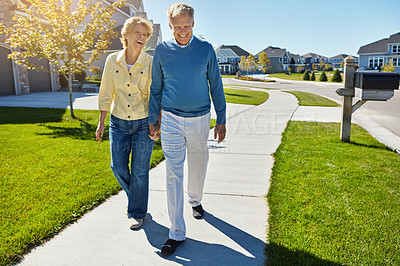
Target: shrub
[96,78]
[336,76]
[80,76]
[306,75]
[323,76]
[388,67]
[312,76]
[95,70]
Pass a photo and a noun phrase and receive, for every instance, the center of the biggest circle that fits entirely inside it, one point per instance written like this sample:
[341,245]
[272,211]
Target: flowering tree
[51,30]
[264,63]
[252,64]
[243,63]
[388,67]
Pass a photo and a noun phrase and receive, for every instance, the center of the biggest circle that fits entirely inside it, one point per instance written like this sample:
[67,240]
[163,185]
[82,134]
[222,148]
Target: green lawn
[52,171]
[333,203]
[297,76]
[310,99]
[245,96]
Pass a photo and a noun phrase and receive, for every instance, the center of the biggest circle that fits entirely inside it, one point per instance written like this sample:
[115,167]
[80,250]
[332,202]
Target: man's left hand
[220,131]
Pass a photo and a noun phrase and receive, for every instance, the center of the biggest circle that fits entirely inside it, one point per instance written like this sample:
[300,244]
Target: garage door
[6,74]
[39,81]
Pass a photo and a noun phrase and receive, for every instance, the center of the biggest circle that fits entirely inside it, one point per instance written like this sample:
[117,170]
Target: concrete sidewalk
[233,231]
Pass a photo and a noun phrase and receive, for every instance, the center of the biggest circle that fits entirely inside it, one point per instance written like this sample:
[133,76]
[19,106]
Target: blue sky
[328,28]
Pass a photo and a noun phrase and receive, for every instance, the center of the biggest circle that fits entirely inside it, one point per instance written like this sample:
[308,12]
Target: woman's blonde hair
[180,9]
[130,25]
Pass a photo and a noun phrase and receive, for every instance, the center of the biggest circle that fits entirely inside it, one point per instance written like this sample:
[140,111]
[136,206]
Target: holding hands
[155,130]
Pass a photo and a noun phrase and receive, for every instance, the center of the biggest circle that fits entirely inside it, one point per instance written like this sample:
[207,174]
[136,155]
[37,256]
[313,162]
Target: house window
[280,60]
[375,61]
[396,61]
[396,48]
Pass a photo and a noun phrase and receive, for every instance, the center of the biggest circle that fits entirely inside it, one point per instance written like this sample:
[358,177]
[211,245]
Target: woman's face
[137,37]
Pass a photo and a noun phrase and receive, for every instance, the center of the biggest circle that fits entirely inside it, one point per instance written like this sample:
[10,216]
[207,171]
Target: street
[386,113]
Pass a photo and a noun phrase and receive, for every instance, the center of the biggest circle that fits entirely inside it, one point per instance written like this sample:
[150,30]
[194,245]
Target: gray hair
[180,9]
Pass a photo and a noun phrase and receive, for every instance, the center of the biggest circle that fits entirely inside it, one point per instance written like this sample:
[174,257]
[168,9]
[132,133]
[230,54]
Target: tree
[264,63]
[342,64]
[336,76]
[388,67]
[314,67]
[95,70]
[312,76]
[328,66]
[323,76]
[300,68]
[306,75]
[51,30]
[252,64]
[321,64]
[243,63]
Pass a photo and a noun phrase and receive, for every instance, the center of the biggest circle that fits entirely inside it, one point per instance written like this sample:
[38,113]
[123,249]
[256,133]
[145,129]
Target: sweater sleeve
[155,89]
[216,88]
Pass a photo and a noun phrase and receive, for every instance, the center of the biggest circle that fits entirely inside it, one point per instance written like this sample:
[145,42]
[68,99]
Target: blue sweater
[183,79]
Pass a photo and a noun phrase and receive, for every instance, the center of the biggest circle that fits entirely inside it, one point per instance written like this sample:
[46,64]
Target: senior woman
[126,83]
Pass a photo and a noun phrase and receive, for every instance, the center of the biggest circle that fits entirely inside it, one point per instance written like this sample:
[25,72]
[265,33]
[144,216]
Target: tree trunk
[70,93]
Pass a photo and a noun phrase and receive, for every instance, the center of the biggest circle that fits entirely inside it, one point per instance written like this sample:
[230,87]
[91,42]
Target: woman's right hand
[101,126]
[100,131]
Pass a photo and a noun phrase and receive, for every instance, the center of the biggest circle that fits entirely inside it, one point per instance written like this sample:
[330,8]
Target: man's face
[182,28]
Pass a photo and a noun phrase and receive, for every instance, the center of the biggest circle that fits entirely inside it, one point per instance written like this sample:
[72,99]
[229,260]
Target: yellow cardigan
[128,90]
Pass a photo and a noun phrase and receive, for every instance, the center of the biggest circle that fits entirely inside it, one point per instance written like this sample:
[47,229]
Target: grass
[213,122]
[310,99]
[299,76]
[52,171]
[333,203]
[245,96]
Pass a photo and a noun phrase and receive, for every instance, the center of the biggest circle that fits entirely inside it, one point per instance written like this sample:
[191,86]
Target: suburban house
[17,80]
[311,58]
[295,62]
[337,60]
[281,60]
[228,57]
[132,8]
[376,54]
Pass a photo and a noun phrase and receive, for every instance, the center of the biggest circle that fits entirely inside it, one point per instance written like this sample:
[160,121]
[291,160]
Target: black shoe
[170,246]
[198,212]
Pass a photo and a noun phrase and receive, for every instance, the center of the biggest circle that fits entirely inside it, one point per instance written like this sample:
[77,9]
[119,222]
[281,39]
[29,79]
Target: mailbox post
[364,86]
[348,94]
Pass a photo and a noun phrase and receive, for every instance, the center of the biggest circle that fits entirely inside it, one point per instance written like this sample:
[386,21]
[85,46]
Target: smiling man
[185,73]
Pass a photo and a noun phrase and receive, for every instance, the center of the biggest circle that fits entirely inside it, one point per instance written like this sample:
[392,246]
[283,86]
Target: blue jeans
[130,138]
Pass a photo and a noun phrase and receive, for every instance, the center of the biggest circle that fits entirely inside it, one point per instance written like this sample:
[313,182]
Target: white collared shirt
[183,46]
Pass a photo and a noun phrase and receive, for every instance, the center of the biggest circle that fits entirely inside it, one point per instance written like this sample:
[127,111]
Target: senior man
[185,72]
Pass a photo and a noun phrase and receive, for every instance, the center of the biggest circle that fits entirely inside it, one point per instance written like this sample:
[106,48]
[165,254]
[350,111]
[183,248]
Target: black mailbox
[378,86]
